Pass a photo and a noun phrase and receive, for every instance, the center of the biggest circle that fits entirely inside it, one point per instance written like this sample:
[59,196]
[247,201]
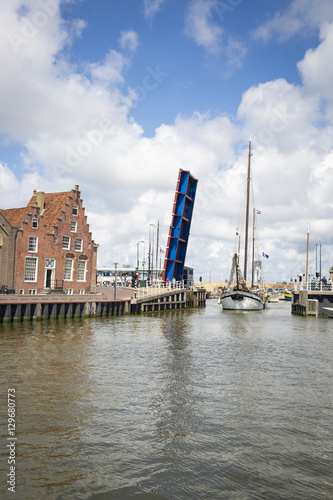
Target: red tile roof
[14,215]
[53,204]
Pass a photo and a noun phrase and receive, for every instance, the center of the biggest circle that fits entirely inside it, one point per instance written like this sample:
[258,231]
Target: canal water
[198,404]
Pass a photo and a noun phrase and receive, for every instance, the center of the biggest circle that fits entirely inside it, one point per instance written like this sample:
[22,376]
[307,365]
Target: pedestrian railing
[158,288]
[318,286]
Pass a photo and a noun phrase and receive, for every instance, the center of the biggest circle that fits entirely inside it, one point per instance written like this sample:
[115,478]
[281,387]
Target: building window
[73,226]
[69,291]
[74,210]
[55,240]
[33,292]
[30,269]
[68,270]
[66,242]
[21,291]
[81,291]
[33,242]
[81,270]
[78,244]
[35,223]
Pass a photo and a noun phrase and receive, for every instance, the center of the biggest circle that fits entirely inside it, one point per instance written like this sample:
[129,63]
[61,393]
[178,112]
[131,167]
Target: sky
[118,95]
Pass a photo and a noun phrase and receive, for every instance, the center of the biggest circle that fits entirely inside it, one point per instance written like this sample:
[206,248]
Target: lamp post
[115,280]
[143,269]
[320,259]
[137,254]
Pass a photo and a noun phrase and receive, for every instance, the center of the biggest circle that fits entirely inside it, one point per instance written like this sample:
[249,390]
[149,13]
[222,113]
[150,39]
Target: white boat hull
[242,301]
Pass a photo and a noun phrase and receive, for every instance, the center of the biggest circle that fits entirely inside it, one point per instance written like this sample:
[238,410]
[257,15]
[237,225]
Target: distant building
[47,245]
[188,276]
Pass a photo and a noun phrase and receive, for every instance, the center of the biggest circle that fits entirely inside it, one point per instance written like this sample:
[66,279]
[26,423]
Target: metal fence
[158,288]
[314,286]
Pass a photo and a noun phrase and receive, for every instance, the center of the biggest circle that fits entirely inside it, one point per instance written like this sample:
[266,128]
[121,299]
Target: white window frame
[21,292]
[81,291]
[66,269]
[33,243]
[78,240]
[81,272]
[63,242]
[69,291]
[34,280]
[33,291]
[75,210]
[73,226]
[34,223]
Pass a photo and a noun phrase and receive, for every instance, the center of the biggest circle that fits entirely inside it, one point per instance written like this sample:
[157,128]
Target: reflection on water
[185,404]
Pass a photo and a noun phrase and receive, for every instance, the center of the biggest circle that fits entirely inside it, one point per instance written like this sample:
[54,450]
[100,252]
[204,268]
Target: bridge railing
[314,286]
[158,288]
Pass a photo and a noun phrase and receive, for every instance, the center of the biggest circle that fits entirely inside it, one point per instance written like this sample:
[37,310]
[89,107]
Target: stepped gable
[50,212]
[53,204]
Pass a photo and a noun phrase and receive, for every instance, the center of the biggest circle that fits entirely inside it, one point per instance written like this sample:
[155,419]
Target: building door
[49,273]
[48,278]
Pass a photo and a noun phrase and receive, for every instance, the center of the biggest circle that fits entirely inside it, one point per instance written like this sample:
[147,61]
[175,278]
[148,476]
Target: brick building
[47,245]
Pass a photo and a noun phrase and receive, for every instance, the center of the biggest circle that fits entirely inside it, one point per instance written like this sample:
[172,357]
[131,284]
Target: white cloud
[110,71]
[129,41]
[201,28]
[151,7]
[302,18]
[316,67]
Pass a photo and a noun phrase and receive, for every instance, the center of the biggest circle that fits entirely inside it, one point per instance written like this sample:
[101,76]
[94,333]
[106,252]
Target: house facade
[47,245]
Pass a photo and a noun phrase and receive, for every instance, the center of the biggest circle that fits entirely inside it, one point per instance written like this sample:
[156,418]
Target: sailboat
[238,295]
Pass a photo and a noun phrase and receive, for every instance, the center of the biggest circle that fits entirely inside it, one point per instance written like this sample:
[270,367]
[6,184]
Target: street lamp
[137,254]
[143,269]
[115,280]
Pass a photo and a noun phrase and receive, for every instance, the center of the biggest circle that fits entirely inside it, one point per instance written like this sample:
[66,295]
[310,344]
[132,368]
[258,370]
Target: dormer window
[74,210]
[35,223]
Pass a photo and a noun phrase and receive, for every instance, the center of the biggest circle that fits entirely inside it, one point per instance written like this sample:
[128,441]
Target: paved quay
[97,294]
[101,302]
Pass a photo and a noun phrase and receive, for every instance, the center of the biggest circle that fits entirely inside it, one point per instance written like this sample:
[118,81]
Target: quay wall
[60,309]
[311,303]
[18,308]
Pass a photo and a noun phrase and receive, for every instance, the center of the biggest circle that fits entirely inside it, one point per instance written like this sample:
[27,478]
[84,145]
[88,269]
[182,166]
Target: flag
[258,212]
[265,255]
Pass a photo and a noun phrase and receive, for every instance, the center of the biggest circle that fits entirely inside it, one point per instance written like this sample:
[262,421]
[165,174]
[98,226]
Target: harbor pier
[312,302]
[167,299]
[102,303]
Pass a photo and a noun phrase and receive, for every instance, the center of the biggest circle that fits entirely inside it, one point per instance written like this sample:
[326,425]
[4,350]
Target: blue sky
[197,79]
[116,96]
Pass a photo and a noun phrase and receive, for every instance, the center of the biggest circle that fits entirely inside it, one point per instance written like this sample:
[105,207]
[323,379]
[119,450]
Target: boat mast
[247,208]
[254,217]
